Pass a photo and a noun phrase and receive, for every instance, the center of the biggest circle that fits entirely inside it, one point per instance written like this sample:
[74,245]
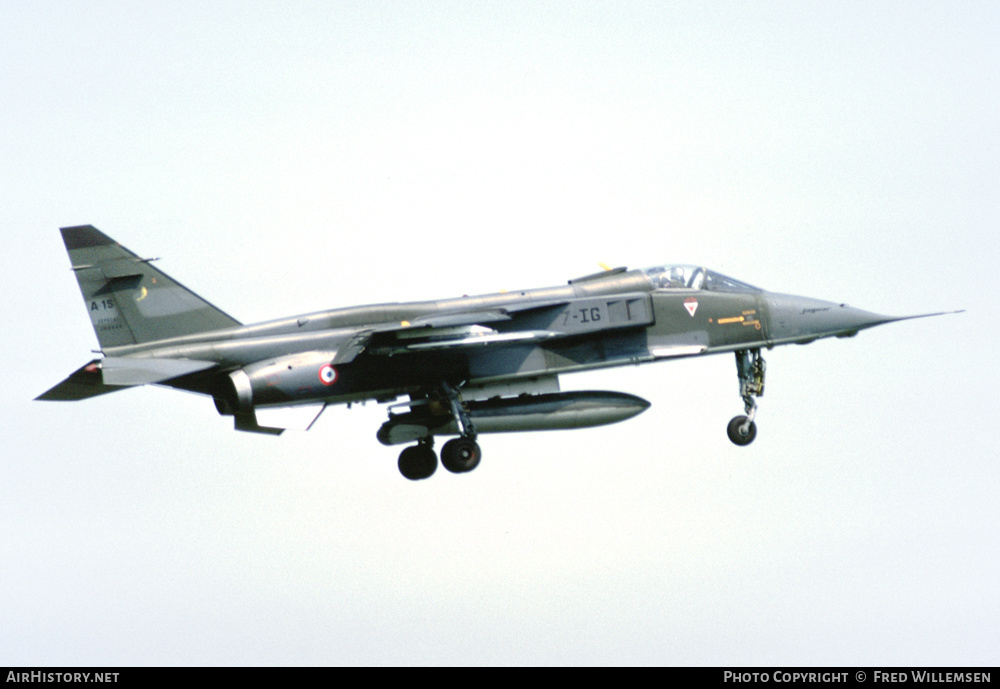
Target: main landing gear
[458,455]
[750,367]
[418,461]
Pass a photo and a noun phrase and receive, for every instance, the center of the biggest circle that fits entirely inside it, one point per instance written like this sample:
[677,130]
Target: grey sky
[289,157]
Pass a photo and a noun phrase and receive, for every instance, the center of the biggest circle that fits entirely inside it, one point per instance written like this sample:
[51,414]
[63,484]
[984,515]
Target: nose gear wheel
[742,430]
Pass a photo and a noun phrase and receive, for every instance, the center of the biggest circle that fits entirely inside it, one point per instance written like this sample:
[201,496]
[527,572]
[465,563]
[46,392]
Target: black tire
[460,455]
[418,462]
[735,431]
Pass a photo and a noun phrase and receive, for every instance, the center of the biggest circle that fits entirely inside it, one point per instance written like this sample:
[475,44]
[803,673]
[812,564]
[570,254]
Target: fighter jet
[465,366]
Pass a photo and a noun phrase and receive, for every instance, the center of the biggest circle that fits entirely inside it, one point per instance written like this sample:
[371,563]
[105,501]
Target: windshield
[682,276]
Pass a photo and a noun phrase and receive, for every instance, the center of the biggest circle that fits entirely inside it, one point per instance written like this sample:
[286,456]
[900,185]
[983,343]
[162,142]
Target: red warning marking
[327,374]
[691,304]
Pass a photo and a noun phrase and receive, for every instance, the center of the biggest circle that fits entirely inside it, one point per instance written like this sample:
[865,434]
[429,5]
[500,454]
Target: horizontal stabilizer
[102,376]
[85,382]
[126,371]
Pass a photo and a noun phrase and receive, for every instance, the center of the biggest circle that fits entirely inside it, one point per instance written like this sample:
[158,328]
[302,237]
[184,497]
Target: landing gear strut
[461,454]
[750,367]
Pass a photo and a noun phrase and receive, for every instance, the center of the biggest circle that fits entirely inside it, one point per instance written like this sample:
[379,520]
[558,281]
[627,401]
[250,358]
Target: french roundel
[327,375]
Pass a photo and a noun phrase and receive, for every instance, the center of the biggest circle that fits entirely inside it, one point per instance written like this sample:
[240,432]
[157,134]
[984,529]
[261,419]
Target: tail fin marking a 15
[130,301]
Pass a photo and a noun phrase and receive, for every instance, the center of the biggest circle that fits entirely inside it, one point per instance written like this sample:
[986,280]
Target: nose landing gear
[750,367]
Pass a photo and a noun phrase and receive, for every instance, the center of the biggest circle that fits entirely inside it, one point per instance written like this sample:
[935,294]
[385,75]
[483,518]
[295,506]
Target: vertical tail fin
[130,301]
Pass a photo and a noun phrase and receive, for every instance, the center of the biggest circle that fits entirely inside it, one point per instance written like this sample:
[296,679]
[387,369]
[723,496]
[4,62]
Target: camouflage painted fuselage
[152,329]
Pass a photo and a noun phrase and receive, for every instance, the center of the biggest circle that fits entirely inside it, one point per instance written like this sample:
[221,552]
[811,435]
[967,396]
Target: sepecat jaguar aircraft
[467,365]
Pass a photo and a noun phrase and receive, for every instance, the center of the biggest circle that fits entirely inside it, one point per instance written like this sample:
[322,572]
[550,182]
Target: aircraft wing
[517,324]
[449,320]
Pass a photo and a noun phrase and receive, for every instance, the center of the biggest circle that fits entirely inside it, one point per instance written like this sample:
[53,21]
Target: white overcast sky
[285,157]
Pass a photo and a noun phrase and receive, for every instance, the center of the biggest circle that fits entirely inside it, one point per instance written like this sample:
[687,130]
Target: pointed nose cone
[802,320]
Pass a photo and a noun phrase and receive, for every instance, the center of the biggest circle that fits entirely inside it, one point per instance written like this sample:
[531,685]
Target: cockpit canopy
[682,276]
